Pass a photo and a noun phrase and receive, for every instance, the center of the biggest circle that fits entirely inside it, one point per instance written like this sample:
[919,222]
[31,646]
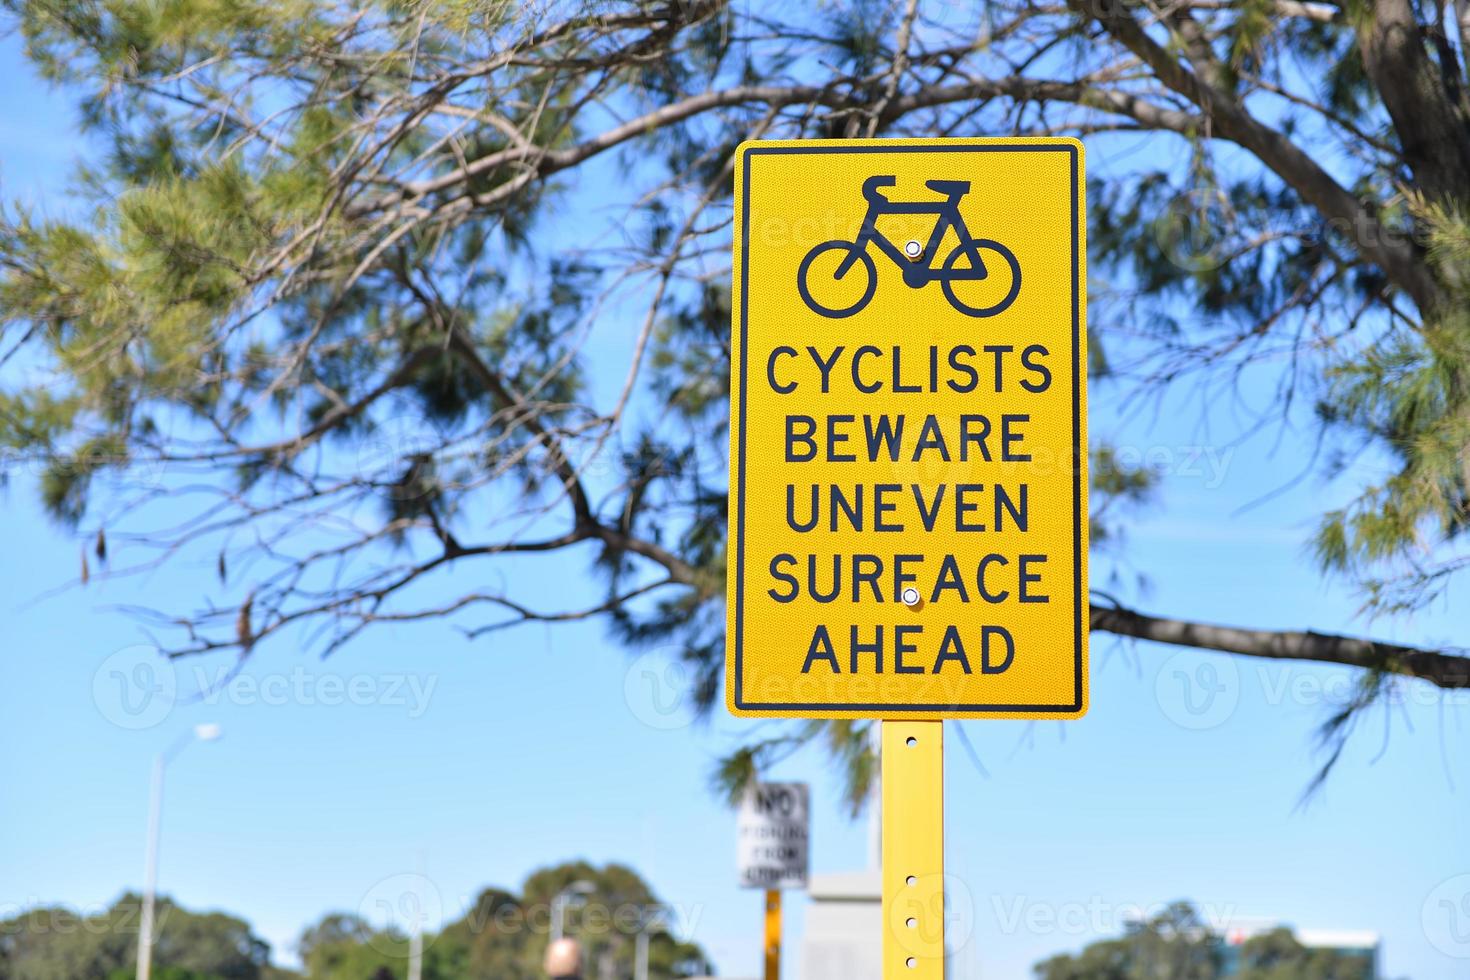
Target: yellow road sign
[908,506]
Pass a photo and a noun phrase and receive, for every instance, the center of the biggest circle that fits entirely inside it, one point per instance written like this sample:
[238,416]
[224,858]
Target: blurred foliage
[1177,944]
[57,943]
[502,936]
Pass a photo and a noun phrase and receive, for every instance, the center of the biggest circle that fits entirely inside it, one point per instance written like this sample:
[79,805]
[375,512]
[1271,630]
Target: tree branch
[1396,254]
[1430,118]
[1442,669]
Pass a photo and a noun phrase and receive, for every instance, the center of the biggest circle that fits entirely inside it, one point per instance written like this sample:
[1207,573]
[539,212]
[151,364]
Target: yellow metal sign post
[913,850]
[908,459]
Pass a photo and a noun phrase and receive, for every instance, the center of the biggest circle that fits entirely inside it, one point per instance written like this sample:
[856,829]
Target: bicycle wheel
[972,249]
[836,310]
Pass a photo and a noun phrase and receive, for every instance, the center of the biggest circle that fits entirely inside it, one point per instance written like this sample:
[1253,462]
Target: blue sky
[485,761]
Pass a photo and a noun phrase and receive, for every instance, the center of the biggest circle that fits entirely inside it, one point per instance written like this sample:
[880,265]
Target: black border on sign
[1077,368]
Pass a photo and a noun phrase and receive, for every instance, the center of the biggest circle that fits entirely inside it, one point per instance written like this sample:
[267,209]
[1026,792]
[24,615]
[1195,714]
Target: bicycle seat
[954,188]
[872,187]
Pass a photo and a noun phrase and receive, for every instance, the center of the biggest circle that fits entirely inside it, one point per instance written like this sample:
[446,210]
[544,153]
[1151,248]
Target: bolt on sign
[771,831]
[908,518]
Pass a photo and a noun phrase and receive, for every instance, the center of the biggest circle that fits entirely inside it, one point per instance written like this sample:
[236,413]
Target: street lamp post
[646,922]
[647,919]
[571,896]
[640,956]
[200,733]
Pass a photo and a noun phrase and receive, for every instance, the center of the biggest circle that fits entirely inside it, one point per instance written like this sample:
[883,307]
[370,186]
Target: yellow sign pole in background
[773,934]
[913,850]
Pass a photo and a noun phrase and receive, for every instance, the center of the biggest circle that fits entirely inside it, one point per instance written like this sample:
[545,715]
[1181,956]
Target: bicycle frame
[915,274]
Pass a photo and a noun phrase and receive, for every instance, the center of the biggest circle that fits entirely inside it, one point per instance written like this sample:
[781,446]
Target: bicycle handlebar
[873,185]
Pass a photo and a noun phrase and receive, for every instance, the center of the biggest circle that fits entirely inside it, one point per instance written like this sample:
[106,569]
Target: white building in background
[843,939]
[1349,942]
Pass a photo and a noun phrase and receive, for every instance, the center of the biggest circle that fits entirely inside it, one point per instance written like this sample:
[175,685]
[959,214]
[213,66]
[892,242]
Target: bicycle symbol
[915,274]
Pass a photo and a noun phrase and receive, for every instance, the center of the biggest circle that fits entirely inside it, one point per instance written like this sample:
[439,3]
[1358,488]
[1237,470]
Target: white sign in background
[771,836]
